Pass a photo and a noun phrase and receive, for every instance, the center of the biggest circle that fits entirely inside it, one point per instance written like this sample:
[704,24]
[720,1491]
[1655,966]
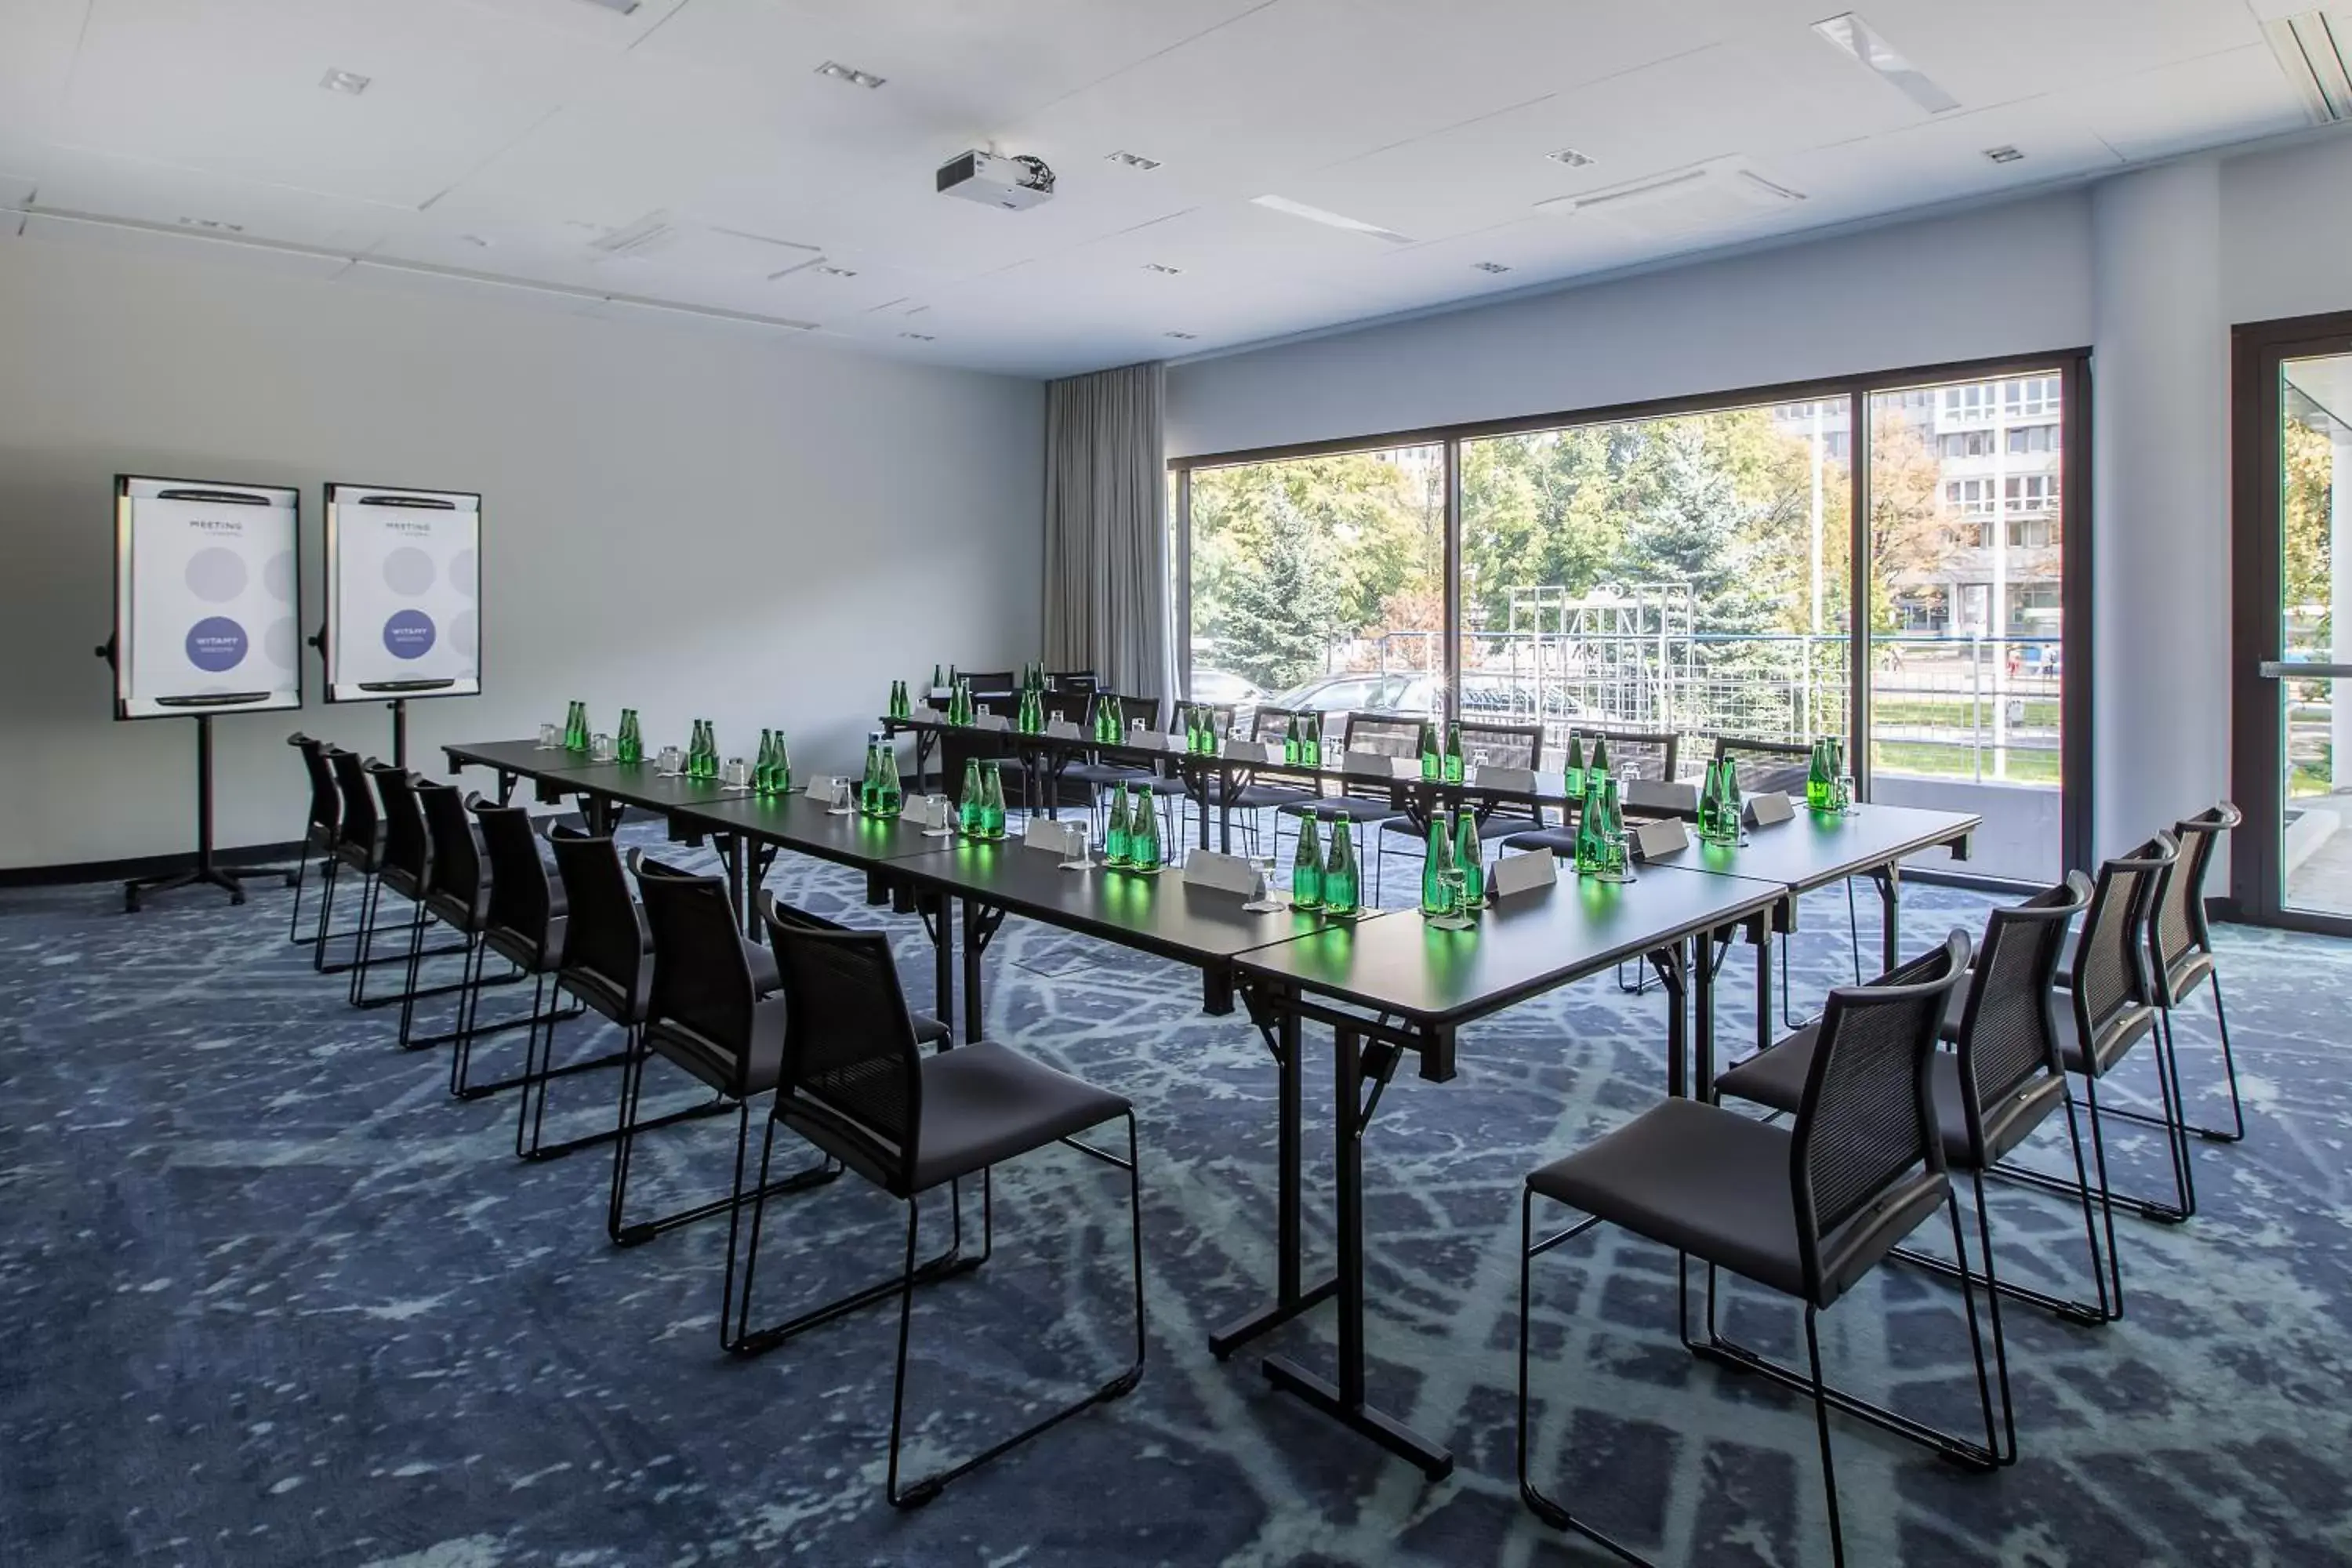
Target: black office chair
[320,831]
[461,895]
[1262,789]
[856,1083]
[358,846]
[2181,958]
[1167,784]
[405,867]
[2107,979]
[1102,779]
[1633,754]
[1805,1210]
[1362,802]
[1504,746]
[1782,767]
[1076,682]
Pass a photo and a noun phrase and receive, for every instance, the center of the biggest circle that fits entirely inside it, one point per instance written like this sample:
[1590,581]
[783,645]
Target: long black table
[1400,984]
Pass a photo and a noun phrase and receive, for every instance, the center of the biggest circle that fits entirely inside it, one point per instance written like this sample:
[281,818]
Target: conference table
[1388,983]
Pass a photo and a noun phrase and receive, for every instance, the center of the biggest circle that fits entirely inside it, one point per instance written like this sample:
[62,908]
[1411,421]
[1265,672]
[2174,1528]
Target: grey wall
[754,530]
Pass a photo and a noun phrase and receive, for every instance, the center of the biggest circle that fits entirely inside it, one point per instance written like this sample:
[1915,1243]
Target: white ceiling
[499,140]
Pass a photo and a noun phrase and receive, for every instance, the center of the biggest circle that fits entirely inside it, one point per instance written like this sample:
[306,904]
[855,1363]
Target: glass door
[2294,526]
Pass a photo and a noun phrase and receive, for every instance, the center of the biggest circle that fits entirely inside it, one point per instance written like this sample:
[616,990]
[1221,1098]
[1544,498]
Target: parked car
[1363,693]
[1223,689]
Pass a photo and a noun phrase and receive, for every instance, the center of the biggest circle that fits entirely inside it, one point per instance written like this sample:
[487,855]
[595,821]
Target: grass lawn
[1955,711]
[1953,762]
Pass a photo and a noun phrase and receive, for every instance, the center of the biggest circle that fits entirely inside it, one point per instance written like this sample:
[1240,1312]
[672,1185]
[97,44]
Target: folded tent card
[1522,871]
[1655,795]
[1765,810]
[1225,873]
[1067,839]
[1666,836]
[1521,780]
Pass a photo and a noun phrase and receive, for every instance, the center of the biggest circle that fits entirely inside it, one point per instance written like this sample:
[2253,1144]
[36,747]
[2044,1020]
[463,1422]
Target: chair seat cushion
[464,914]
[2120,1034]
[1489,830]
[533,957]
[601,991]
[1716,1185]
[1258,796]
[1106,775]
[985,1103]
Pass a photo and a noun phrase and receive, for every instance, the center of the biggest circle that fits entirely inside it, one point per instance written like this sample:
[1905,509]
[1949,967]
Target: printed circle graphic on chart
[216,642]
[408,635]
[278,576]
[409,571]
[461,573]
[462,632]
[215,575]
[277,642]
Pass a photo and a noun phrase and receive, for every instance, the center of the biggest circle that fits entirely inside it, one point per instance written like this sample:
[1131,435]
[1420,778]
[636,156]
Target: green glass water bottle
[970,815]
[1572,776]
[1436,897]
[1192,730]
[1306,867]
[992,804]
[1454,754]
[764,762]
[1116,854]
[1588,827]
[1729,810]
[1469,848]
[1143,835]
[1708,803]
[889,791]
[871,779]
[1429,762]
[1613,833]
[1340,896]
[1818,776]
[1290,740]
[939,682]
[695,748]
[783,771]
[1599,763]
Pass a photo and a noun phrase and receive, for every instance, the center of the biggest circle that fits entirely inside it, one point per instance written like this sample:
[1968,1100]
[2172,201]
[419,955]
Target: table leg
[1343,1401]
[1764,1000]
[1673,967]
[1289,1299]
[1703,1018]
[506,787]
[1889,878]
[1226,787]
[943,959]
[731,850]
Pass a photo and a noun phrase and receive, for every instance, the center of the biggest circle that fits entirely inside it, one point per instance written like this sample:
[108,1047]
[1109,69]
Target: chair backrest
[1075,706]
[702,982]
[2181,929]
[1767,765]
[1868,1117]
[406,847]
[2111,978]
[521,899]
[1221,717]
[1076,682]
[457,858]
[851,1073]
[1133,710]
[1387,735]
[2008,1026]
[1505,745]
[326,801]
[1271,725]
[602,939]
[357,796]
[1633,753]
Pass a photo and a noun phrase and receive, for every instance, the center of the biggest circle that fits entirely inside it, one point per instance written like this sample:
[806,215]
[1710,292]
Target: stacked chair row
[810,1025]
[1939,1070]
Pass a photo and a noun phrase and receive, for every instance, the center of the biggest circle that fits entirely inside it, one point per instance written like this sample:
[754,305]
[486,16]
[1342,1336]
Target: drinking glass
[739,774]
[599,748]
[671,761]
[1842,800]
[839,802]
[550,737]
[1081,856]
[983,710]
[1457,889]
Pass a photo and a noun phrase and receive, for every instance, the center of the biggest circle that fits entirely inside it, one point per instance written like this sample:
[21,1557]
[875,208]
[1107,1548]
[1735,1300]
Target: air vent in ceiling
[650,233]
[1720,195]
[2315,49]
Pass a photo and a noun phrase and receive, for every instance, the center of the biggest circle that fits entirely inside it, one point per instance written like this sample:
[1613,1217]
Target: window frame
[2066,371]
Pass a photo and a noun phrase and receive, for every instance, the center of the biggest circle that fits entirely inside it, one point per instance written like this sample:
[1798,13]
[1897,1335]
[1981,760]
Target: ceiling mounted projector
[996,180]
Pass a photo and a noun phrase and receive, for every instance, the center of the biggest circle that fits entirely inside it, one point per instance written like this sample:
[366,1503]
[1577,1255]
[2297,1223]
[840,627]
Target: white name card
[1225,873]
[1523,871]
[1655,795]
[924,714]
[820,786]
[1764,810]
[1062,837]
[1666,836]
[1520,780]
[1149,740]
[1251,752]
[1063,730]
[1370,765]
[936,813]
[991,722]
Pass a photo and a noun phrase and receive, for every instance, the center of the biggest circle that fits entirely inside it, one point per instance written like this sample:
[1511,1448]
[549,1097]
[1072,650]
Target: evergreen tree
[1282,614]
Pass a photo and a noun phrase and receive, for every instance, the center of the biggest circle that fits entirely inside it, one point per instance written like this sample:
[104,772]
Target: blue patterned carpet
[272,1297]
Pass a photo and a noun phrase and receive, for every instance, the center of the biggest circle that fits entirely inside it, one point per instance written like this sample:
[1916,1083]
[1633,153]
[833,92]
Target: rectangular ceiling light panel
[1330,219]
[1722,194]
[1857,38]
[2314,51]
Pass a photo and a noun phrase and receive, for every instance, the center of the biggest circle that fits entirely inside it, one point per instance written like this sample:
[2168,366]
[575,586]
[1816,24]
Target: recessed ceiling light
[1329,219]
[838,272]
[625,7]
[1573,158]
[1187,337]
[1132,160]
[849,74]
[475,240]
[1161,267]
[212,224]
[1856,36]
[345,81]
[2004,154]
[920,337]
[1490,266]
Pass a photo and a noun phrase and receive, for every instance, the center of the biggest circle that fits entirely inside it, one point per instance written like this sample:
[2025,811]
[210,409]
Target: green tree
[1282,614]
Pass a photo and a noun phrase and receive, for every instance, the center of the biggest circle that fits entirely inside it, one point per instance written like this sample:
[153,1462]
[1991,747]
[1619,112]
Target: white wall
[2286,230]
[1966,286]
[751,530]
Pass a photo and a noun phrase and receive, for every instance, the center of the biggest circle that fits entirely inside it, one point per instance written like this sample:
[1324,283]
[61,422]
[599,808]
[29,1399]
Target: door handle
[2281,669]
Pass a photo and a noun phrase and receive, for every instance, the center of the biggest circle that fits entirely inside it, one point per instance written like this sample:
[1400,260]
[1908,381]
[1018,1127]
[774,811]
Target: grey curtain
[1107,530]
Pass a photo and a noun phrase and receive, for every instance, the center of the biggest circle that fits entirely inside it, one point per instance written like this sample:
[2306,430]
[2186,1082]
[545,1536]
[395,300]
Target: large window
[1693,569]
[1319,582]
